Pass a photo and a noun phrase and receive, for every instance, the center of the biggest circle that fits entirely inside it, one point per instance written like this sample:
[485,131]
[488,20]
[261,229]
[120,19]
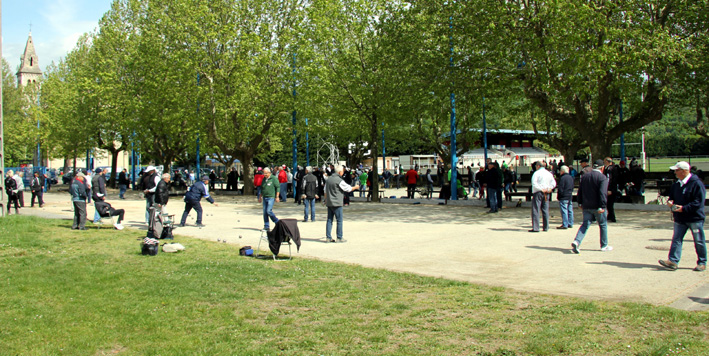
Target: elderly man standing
[11,191]
[79,194]
[18,177]
[564,195]
[270,187]
[687,196]
[592,198]
[542,184]
[283,182]
[335,189]
[37,187]
[150,185]
[310,193]
[162,193]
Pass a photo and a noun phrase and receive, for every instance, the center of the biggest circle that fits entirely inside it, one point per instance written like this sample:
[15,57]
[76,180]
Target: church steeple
[29,68]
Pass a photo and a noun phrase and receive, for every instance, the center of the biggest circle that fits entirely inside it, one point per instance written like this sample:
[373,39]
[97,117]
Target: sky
[56,26]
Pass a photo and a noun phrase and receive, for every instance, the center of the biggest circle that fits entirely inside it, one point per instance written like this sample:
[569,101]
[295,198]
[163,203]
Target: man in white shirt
[542,184]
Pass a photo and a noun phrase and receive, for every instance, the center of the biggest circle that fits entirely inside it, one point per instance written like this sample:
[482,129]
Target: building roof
[29,61]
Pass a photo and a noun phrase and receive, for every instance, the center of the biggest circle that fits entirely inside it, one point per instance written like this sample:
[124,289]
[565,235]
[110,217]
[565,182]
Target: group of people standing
[15,187]
[309,188]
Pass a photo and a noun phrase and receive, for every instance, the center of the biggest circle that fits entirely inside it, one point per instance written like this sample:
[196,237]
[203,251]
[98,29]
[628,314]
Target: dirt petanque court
[458,241]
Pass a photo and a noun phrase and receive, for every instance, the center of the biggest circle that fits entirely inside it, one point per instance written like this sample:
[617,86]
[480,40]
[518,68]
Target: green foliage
[20,124]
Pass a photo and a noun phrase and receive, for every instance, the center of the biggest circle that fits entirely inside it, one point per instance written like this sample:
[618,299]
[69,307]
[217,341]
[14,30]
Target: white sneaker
[118,226]
[607,248]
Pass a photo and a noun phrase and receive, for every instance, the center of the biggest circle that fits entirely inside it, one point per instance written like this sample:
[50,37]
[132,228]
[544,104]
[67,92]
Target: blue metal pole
[484,133]
[88,164]
[454,158]
[295,138]
[39,152]
[622,136]
[307,144]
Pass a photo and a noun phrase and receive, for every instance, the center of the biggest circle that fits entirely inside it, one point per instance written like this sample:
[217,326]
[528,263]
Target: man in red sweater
[283,180]
[411,179]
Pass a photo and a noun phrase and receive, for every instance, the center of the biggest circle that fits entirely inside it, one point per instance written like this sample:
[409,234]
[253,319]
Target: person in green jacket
[363,182]
[270,187]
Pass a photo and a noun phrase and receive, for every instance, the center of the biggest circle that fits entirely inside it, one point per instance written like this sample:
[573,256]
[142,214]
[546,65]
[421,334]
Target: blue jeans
[123,189]
[492,195]
[268,212]
[284,191]
[337,213]
[589,214]
[309,207]
[362,189]
[149,201]
[386,182]
[567,212]
[700,246]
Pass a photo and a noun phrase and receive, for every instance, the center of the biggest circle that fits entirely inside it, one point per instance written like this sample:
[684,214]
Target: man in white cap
[686,201]
[150,184]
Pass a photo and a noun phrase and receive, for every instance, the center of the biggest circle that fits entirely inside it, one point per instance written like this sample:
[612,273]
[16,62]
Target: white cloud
[65,23]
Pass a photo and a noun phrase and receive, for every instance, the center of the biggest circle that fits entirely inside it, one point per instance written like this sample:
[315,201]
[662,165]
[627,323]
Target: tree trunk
[114,166]
[246,159]
[374,147]
[600,149]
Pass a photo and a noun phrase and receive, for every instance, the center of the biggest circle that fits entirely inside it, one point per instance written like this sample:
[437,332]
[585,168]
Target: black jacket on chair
[284,230]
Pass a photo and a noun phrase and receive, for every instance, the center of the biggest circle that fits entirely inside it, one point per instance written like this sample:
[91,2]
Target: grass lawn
[65,292]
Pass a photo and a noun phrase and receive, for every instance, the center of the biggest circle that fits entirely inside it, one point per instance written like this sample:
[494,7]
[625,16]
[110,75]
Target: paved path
[463,243]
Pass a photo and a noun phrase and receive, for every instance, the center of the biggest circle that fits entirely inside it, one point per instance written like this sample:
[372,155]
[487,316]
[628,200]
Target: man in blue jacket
[192,200]
[686,201]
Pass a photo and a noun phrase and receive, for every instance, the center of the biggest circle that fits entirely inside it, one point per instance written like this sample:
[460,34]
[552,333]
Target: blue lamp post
[454,158]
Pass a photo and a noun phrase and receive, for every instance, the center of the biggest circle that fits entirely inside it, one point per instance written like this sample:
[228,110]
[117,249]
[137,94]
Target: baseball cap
[149,168]
[205,177]
[99,194]
[681,165]
[98,170]
[598,163]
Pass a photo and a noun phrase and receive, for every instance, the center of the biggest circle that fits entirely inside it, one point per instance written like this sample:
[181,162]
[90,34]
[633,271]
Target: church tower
[29,68]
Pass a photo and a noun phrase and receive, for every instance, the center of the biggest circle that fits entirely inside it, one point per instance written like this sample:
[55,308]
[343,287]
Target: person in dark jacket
[37,187]
[123,183]
[612,172]
[212,179]
[11,191]
[232,180]
[162,193]
[493,181]
[686,201]
[592,198]
[193,196]
[98,186]
[105,209]
[309,191]
[79,194]
[564,193]
[149,181]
